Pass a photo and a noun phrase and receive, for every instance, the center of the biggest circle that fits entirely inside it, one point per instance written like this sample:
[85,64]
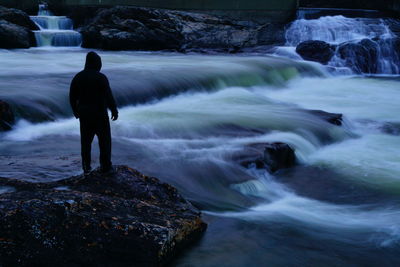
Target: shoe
[87,171]
[109,170]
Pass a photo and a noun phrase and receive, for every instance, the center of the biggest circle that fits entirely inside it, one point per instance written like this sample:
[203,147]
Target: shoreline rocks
[134,28]
[16,29]
[121,219]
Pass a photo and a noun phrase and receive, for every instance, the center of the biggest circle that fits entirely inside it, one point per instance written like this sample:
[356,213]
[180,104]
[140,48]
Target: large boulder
[124,28]
[121,219]
[17,17]
[14,36]
[6,116]
[133,28]
[16,29]
[361,57]
[318,51]
[269,156]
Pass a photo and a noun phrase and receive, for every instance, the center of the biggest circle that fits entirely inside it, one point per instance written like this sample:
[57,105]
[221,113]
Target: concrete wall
[384,5]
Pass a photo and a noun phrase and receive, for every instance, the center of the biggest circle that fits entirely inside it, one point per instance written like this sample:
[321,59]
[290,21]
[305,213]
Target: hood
[93,61]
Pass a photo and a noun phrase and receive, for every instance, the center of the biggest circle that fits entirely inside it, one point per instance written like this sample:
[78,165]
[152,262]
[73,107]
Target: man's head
[93,61]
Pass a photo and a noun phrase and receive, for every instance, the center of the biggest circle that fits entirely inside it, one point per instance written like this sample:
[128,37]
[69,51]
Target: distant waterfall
[336,30]
[371,36]
[55,30]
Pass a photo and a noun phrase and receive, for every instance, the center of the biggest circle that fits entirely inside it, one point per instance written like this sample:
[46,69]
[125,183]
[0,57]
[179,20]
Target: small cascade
[55,30]
[354,38]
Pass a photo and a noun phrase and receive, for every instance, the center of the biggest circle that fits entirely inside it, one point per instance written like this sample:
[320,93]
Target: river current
[184,117]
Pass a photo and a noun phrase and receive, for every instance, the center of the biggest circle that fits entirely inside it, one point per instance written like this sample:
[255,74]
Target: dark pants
[91,126]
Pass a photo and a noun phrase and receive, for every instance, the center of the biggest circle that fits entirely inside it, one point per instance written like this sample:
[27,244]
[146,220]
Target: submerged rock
[332,118]
[318,51]
[279,156]
[6,116]
[271,156]
[123,219]
[133,28]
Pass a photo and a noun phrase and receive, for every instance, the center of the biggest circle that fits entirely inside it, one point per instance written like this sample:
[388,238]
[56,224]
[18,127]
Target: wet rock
[6,116]
[13,36]
[123,219]
[17,17]
[271,156]
[133,28]
[391,128]
[318,51]
[16,29]
[279,156]
[332,118]
[361,57]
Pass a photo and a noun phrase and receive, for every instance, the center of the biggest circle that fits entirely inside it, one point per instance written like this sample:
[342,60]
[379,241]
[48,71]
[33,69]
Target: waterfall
[354,39]
[55,30]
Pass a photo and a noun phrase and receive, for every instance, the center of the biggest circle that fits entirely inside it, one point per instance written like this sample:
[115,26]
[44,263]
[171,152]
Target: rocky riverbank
[133,28]
[121,219]
[16,29]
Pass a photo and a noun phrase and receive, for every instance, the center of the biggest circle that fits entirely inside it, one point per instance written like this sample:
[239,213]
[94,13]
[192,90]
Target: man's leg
[87,135]
[104,135]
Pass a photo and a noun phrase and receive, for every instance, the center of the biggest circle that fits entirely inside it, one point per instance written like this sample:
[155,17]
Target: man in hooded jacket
[90,98]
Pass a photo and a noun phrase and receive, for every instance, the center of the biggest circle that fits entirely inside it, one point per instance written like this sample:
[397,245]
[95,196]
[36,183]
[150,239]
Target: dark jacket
[90,93]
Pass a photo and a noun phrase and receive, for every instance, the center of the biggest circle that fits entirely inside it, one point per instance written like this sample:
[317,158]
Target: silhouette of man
[90,98]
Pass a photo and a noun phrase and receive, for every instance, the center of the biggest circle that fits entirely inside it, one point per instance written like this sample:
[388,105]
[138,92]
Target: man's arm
[73,97]
[110,100]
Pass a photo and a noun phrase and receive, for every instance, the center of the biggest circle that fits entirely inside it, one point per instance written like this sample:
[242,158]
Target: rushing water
[55,30]
[184,118]
[338,30]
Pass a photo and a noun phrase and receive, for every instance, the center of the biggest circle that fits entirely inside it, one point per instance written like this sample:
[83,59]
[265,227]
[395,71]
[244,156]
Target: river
[184,117]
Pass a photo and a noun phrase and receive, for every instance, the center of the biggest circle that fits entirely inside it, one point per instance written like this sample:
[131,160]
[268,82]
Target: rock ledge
[123,219]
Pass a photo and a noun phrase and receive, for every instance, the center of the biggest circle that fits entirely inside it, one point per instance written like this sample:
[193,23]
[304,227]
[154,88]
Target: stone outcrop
[121,219]
[6,116]
[16,29]
[133,28]
[13,36]
[17,17]
[318,51]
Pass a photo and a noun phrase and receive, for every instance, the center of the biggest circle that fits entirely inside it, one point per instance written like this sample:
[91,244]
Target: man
[90,97]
